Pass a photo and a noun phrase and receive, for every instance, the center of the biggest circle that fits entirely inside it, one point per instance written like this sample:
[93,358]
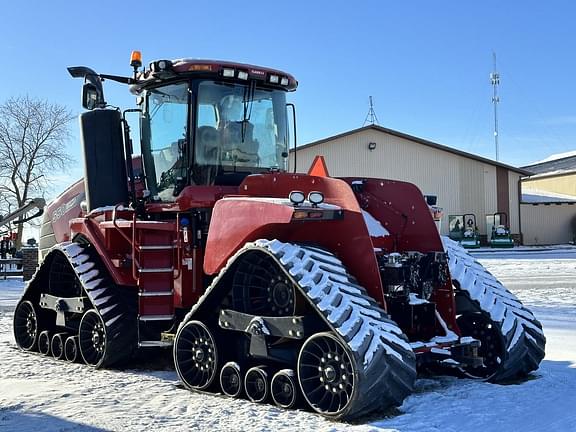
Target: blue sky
[426,64]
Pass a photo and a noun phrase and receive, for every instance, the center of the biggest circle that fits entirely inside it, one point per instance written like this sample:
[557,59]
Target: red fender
[237,220]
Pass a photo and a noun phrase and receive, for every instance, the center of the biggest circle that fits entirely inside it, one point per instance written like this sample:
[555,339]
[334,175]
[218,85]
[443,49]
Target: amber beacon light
[136,59]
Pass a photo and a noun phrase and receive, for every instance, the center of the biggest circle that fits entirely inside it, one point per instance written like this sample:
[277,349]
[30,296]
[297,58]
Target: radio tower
[371,116]
[495,79]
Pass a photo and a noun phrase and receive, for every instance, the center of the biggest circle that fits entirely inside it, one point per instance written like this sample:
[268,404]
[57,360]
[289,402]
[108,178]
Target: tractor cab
[497,226]
[202,123]
[211,124]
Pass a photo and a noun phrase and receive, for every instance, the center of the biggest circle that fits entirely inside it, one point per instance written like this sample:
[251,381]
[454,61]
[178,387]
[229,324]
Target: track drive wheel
[196,355]
[327,372]
[93,339]
[26,326]
[492,345]
[260,287]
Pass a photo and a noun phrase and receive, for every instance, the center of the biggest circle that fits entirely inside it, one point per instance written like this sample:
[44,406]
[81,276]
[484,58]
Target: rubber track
[521,331]
[384,359]
[116,310]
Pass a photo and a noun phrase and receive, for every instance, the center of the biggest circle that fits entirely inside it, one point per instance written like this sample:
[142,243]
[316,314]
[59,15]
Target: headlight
[316,197]
[297,197]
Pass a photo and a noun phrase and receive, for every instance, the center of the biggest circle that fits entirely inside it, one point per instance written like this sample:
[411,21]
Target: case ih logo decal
[63,209]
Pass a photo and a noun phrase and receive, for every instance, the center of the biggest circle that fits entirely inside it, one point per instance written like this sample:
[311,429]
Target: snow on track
[41,394]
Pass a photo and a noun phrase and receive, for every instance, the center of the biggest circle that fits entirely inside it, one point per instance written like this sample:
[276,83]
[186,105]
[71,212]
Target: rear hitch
[464,353]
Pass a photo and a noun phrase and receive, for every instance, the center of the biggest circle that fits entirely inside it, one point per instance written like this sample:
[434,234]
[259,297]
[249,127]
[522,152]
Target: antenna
[495,80]
[371,116]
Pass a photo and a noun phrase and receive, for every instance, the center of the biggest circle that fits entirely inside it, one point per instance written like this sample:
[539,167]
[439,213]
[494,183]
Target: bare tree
[33,134]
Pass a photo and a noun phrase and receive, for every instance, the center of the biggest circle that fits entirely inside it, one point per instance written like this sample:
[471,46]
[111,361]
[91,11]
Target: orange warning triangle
[318,167]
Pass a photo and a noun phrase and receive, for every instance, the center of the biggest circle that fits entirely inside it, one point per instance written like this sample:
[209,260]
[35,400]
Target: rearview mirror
[91,97]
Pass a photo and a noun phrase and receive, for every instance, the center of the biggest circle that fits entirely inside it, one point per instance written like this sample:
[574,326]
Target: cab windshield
[211,133]
[240,130]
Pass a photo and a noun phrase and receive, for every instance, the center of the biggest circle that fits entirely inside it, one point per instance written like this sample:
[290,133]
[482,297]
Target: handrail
[178,266]
[131,241]
[117,227]
[135,263]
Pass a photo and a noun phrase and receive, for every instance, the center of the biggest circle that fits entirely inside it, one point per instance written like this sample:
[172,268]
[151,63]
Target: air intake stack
[105,178]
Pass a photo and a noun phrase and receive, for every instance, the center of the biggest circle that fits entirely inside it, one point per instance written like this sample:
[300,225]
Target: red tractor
[302,290]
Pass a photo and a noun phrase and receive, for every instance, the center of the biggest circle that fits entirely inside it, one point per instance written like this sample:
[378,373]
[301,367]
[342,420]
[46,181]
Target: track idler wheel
[326,372]
[284,389]
[71,349]
[231,379]
[256,384]
[26,326]
[196,355]
[57,345]
[92,338]
[44,343]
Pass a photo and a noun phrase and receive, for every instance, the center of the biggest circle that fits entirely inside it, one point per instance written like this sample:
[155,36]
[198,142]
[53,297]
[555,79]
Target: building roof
[419,141]
[556,166]
[537,196]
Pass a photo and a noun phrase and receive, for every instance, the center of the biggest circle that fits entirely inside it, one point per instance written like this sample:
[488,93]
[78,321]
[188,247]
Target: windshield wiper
[247,102]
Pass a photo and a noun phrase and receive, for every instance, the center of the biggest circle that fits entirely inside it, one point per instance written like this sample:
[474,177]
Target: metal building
[463,182]
[548,209]
[555,178]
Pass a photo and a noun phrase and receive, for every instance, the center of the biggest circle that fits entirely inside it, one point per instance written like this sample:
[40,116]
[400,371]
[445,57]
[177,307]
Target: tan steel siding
[490,195]
[547,224]
[565,184]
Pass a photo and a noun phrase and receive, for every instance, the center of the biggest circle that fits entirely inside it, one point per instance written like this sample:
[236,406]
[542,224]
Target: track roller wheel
[326,372]
[44,343]
[231,379]
[26,326]
[71,349]
[196,355]
[92,339]
[492,344]
[256,384]
[57,345]
[284,389]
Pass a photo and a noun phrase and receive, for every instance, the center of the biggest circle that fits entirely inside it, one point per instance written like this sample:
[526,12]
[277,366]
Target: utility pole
[371,116]
[495,80]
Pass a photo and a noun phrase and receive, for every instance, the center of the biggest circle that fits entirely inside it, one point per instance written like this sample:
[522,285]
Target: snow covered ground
[41,394]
